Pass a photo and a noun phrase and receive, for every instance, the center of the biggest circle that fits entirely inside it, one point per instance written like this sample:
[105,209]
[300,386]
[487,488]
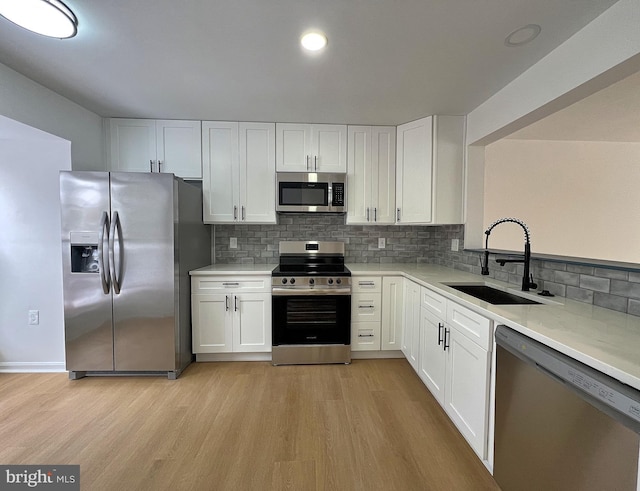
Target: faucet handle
[532,284]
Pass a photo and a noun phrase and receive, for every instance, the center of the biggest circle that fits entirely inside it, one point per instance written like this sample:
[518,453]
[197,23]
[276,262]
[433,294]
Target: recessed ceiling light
[47,17]
[522,36]
[313,40]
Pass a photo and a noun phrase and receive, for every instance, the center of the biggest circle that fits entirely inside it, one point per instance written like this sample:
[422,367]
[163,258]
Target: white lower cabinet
[454,364]
[231,315]
[376,313]
[411,324]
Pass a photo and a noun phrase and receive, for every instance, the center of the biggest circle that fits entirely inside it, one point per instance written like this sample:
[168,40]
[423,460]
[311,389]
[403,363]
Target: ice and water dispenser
[84,252]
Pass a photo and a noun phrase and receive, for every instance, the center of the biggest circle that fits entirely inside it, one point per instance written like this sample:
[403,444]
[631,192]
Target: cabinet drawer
[366,306]
[217,284]
[434,303]
[366,284]
[470,324]
[365,336]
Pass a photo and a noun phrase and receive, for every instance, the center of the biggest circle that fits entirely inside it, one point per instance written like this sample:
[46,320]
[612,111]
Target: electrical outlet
[34,317]
[233,242]
[381,243]
[455,244]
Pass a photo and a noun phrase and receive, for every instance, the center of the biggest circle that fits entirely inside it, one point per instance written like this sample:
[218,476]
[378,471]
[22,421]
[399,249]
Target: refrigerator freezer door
[143,237]
[84,198]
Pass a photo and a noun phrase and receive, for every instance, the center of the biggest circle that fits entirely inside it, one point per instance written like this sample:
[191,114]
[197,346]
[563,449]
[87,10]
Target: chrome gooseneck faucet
[527,279]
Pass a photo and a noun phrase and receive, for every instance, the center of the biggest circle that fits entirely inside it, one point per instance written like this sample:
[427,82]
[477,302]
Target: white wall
[579,199]
[30,251]
[603,52]
[26,101]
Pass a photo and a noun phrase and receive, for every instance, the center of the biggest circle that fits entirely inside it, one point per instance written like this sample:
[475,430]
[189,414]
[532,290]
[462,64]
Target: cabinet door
[411,328]
[220,172]
[133,145]
[392,311]
[252,322]
[432,354]
[467,389]
[414,172]
[329,148]
[383,174]
[293,147]
[179,148]
[257,173]
[211,323]
[359,176]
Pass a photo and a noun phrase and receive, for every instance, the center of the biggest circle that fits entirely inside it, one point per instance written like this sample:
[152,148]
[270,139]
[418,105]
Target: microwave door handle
[330,191]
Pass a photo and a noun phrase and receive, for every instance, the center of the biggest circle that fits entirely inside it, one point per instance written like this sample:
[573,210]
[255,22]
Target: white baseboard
[369,355]
[31,367]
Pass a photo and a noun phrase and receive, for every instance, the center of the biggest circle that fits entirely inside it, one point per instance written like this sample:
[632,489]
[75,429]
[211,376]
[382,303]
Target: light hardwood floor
[371,425]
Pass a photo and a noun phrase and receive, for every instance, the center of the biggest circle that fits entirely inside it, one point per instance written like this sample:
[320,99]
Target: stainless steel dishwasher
[559,424]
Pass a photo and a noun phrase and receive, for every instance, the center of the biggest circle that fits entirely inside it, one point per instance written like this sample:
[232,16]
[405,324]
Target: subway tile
[633,307]
[581,269]
[634,276]
[612,302]
[579,294]
[594,283]
[625,289]
[555,288]
[564,277]
[611,273]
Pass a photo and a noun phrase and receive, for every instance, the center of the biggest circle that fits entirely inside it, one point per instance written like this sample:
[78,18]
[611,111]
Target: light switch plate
[233,242]
[381,243]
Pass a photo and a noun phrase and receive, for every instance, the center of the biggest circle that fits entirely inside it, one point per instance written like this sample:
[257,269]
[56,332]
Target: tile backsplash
[614,289]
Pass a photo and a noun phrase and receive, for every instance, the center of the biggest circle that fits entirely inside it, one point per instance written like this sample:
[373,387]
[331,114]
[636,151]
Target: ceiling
[612,114]
[387,61]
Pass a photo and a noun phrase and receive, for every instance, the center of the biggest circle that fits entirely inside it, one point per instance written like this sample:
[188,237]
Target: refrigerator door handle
[104,227]
[116,272]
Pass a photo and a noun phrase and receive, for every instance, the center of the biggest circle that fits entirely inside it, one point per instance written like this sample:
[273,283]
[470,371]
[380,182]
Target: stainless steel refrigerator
[128,243]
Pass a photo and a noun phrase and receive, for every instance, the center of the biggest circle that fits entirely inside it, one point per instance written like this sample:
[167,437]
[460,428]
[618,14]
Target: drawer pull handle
[447,334]
[366,283]
[231,284]
[366,306]
[440,326]
[366,335]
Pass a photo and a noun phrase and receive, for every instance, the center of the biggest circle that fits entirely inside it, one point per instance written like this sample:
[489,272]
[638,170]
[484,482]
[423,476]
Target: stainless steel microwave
[312,192]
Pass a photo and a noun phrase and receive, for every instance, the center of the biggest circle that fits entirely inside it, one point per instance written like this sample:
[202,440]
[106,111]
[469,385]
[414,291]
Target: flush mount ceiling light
[50,18]
[522,36]
[313,40]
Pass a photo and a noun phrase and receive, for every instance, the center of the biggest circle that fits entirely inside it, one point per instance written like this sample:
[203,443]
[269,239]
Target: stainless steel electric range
[311,310]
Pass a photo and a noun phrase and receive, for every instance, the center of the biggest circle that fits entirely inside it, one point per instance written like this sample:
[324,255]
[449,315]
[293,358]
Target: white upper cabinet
[429,176]
[311,147]
[371,175]
[147,145]
[238,172]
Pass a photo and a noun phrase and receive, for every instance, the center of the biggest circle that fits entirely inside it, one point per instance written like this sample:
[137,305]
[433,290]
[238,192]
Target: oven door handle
[310,291]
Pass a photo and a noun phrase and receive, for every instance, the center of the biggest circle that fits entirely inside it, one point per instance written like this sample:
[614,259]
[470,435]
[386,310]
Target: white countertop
[606,340]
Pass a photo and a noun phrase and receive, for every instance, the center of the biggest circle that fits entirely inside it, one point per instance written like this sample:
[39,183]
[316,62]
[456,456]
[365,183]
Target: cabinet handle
[243,213]
[366,283]
[367,213]
[231,283]
[366,335]
[440,326]
[159,164]
[150,165]
[375,214]
[307,164]
[447,335]
[315,158]
[226,303]
[235,212]
[366,306]
[235,303]
[397,214]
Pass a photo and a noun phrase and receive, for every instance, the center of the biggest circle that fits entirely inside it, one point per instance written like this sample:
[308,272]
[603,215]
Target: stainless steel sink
[491,295]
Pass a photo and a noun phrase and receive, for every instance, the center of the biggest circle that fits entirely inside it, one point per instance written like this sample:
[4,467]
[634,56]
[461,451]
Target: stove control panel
[311,282]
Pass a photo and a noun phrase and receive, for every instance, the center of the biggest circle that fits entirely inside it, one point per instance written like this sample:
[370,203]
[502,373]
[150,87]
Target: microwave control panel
[338,194]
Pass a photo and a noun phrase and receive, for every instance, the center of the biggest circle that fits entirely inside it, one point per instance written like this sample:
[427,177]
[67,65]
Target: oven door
[311,319]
